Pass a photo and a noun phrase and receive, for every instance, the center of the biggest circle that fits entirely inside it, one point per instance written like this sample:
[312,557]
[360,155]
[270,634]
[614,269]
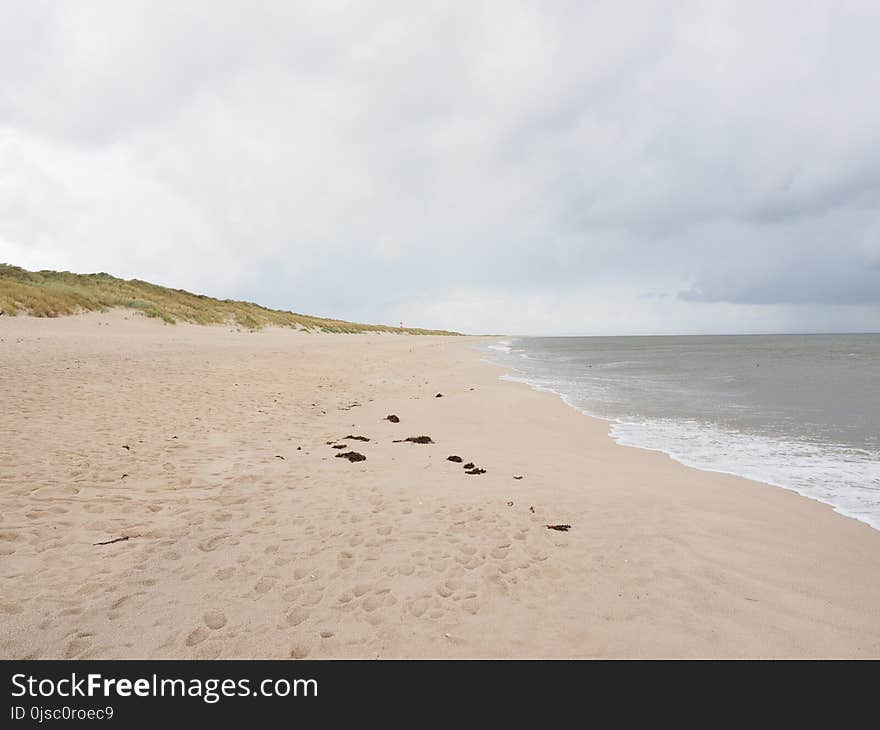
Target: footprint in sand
[299,651]
[212,543]
[439,566]
[371,603]
[215,619]
[79,645]
[119,602]
[469,562]
[418,607]
[196,636]
[345,559]
[447,588]
[296,615]
[538,555]
[264,585]
[313,597]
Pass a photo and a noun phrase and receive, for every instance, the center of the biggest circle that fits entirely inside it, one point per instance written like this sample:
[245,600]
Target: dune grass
[59,293]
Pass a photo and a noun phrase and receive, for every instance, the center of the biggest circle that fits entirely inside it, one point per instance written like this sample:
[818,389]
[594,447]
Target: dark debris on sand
[110,542]
[391,417]
[415,440]
[475,470]
[456,459]
[469,465]
[354,438]
[561,528]
[352,456]
[439,395]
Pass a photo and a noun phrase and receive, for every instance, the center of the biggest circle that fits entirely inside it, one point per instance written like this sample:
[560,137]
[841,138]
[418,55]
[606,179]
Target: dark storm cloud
[557,167]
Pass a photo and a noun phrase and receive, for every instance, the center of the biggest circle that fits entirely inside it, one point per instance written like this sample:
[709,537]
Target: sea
[800,412]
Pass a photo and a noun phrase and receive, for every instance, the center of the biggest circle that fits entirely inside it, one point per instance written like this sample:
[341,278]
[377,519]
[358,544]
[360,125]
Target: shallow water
[798,411]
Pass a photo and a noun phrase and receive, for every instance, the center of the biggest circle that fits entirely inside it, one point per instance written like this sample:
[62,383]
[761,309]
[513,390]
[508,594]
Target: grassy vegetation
[57,293]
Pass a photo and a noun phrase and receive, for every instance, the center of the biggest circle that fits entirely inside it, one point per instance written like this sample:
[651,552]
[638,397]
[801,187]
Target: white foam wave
[839,476]
[501,346]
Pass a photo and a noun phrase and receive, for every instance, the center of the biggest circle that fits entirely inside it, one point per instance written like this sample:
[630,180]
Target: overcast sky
[543,167]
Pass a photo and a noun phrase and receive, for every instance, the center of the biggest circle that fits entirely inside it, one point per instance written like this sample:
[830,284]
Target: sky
[524,168]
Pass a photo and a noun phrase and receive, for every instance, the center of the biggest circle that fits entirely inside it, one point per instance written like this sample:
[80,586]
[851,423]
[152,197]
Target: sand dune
[247,536]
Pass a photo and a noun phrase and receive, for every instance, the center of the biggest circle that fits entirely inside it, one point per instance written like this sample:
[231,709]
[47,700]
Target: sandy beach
[210,453]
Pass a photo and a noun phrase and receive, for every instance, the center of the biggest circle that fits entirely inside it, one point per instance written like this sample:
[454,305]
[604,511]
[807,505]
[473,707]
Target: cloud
[489,166]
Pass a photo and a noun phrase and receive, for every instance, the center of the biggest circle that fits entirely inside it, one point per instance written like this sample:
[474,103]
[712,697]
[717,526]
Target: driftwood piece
[110,542]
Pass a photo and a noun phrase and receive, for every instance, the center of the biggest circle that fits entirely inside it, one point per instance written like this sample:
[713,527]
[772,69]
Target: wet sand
[248,537]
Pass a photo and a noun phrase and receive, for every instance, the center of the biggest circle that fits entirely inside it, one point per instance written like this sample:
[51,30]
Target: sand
[247,537]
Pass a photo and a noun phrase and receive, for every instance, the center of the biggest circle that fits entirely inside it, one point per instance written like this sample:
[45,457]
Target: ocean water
[798,411]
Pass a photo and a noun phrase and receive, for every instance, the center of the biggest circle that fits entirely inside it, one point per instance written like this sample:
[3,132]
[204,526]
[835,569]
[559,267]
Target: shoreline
[610,423]
[248,538]
[516,376]
[678,458]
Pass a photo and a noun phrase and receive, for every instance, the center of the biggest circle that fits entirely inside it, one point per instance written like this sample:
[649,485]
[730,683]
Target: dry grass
[57,293]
